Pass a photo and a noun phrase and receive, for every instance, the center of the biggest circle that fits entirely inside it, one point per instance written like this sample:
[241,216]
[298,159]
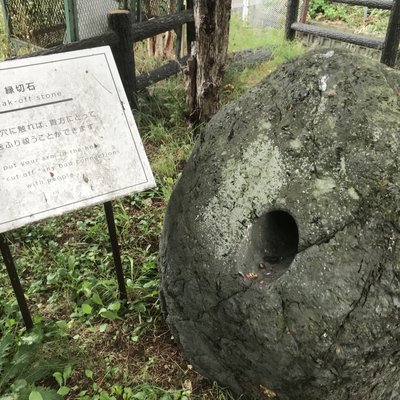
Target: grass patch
[243,37]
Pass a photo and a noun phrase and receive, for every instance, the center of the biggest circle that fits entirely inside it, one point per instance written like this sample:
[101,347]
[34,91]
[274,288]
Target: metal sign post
[15,282]
[108,208]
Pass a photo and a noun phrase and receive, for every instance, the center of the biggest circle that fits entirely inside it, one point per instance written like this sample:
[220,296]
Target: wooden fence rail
[155,26]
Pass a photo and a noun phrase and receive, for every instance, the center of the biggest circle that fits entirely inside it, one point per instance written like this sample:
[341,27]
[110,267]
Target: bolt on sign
[68,139]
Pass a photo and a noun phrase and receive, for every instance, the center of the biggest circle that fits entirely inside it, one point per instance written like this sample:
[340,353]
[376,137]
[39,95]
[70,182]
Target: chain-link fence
[261,13]
[39,22]
[91,16]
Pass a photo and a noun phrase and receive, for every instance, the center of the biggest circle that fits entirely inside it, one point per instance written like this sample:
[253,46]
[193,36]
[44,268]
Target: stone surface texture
[318,140]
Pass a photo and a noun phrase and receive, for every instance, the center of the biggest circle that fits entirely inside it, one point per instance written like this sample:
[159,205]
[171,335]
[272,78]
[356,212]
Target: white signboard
[67,137]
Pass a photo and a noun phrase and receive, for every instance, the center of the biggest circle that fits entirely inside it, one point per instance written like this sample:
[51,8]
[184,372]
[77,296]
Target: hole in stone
[280,236]
[271,244]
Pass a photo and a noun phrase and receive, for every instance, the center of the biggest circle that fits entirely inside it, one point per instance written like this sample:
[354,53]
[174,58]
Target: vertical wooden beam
[119,22]
[191,29]
[291,17]
[392,40]
[71,19]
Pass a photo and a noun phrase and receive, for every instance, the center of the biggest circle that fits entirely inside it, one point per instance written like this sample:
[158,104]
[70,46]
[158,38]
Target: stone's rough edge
[201,292]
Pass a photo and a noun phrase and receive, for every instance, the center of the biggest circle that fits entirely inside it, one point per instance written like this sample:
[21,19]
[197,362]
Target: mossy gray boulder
[280,255]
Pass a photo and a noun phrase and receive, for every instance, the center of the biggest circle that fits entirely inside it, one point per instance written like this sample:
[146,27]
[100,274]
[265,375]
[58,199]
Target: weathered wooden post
[391,46]
[119,22]
[291,17]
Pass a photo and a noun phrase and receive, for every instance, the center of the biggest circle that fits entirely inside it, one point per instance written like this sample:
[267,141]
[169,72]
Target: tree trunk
[205,72]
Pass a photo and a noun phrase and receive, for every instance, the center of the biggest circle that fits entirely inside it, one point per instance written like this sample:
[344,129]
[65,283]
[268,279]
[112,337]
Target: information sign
[68,139]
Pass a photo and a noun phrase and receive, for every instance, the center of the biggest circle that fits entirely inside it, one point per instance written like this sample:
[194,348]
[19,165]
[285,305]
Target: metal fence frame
[23,28]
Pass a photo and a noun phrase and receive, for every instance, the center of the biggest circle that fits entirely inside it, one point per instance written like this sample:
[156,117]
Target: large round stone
[280,251]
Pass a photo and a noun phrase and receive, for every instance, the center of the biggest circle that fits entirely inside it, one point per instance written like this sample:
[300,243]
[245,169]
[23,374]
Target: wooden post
[119,22]
[191,29]
[71,21]
[291,17]
[392,40]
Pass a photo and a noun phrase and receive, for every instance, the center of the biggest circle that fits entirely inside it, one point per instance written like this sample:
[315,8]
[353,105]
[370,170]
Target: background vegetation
[360,19]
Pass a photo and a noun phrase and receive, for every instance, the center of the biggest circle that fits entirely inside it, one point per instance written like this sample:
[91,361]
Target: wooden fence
[121,39]
[389,45]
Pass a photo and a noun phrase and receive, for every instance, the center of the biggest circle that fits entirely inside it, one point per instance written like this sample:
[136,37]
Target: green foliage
[318,8]
[22,366]
[375,21]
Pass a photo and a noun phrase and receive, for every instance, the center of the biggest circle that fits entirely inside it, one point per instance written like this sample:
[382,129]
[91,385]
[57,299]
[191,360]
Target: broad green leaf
[63,391]
[86,308]
[67,372]
[114,306]
[58,377]
[109,315]
[89,373]
[140,307]
[96,299]
[35,395]
[18,385]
